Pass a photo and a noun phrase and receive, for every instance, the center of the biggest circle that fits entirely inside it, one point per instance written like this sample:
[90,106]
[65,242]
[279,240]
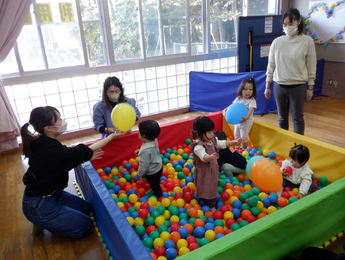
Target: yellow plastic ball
[122,196]
[158,204]
[228,214]
[169,165]
[295,190]
[166,214]
[172,156]
[159,221]
[173,203]
[247,187]
[232,199]
[200,213]
[174,219]
[165,235]
[245,154]
[263,210]
[162,258]
[191,185]
[179,203]
[133,198]
[178,157]
[193,202]
[114,171]
[99,170]
[123,117]
[210,235]
[263,195]
[133,174]
[138,222]
[137,159]
[122,180]
[190,161]
[230,192]
[137,205]
[177,189]
[260,205]
[114,196]
[166,202]
[120,204]
[181,243]
[271,209]
[152,201]
[131,160]
[170,170]
[183,251]
[158,242]
[180,151]
[130,220]
[266,152]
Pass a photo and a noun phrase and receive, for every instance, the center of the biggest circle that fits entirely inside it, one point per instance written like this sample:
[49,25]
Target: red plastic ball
[288,170]
[250,218]
[147,187]
[128,204]
[286,195]
[287,188]
[150,229]
[174,226]
[145,205]
[178,195]
[191,240]
[143,213]
[217,215]
[193,246]
[188,196]
[186,189]
[225,196]
[160,251]
[224,208]
[229,222]
[228,231]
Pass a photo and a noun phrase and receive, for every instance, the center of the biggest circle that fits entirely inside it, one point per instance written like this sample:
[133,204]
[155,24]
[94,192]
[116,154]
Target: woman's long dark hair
[112,81]
[294,14]
[40,117]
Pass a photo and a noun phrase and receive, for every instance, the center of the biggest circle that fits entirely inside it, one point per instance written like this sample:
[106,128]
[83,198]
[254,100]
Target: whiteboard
[325,27]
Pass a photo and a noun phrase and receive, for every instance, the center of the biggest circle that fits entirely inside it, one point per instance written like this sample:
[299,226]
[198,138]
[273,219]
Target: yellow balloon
[123,117]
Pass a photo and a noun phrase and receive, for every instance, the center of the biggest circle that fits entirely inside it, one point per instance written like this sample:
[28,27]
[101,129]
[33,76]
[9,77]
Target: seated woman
[112,95]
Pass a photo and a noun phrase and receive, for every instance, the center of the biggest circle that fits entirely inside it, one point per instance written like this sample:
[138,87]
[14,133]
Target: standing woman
[45,203]
[112,95]
[291,63]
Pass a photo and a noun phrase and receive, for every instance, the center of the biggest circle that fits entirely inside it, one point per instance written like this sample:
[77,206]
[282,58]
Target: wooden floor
[324,121]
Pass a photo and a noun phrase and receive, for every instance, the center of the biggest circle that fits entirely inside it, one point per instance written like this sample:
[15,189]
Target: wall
[334,55]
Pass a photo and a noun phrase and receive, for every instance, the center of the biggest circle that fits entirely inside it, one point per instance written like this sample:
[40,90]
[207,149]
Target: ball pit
[201,241]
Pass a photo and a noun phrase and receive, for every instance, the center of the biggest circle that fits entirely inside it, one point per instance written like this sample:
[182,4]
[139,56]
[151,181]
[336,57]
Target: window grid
[155,90]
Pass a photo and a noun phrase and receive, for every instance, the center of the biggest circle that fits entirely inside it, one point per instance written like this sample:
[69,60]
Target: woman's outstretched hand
[97,155]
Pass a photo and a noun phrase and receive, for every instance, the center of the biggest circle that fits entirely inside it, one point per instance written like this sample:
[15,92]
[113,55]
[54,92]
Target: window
[150,45]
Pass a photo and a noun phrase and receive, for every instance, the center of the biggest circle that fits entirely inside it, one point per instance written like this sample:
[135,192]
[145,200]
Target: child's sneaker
[37,232]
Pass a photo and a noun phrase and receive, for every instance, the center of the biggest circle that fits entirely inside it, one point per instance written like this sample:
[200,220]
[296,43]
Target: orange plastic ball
[175,236]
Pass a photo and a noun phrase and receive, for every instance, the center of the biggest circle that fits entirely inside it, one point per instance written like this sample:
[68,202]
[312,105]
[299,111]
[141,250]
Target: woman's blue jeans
[66,215]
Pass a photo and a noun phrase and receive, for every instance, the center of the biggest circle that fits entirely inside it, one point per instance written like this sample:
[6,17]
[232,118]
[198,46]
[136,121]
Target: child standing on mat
[246,94]
[233,162]
[301,173]
[149,161]
[204,148]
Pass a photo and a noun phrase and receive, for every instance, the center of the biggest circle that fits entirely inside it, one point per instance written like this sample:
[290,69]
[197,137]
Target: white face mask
[290,30]
[62,127]
[114,97]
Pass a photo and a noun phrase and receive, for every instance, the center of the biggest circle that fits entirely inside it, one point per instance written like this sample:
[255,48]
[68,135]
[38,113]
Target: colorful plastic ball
[159,221]
[237,203]
[158,242]
[162,228]
[282,202]
[271,209]
[271,155]
[143,213]
[183,251]
[219,235]
[160,251]
[149,221]
[140,230]
[204,241]
[323,181]
[169,244]
[235,226]
[170,253]
[175,236]
[210,235]
[199,232]
[165,235]
[218,222]
[183,232]
[193,246]
[181,243]
[292,199]
[148,242]
[236,212]
[153,255]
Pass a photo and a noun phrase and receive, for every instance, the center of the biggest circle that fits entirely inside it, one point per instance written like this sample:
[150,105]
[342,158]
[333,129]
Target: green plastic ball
[245,206]
[160,209]
[249,193]
[140,230]
[191,221]
[165,161]
[188,141]
[131,210]
[185,156]
[243,197]
[183,216]
[178,168]
[148,242]
[128,177]
[255,211]
[203,218]
[149,221]
[162,228]
[155,214]
[235,226]
[323,181]
[173,211]
[292,199]
[220,190]
[168,150]
[244,223]
[218,222]
[204,241]
[181,176]
[174,152]
[167,223]
[252,202]
[154,234]
[256,191]
[222,183]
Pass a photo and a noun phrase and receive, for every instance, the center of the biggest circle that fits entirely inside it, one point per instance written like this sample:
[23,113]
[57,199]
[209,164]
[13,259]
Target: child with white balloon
[246,94]
[296,171]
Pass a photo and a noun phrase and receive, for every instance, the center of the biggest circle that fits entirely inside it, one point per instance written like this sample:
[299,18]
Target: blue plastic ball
[167,155]
[237,204]
[209,226]
[175,164]
[201,202]
[199,232]
[107,170]
[205,208]
[181,162]
[144,236]
[151,209]
[219,235]
[273,199]
[217,198]
[271,154]
[210,220]
[135,214]
[170,253]
[165,194]
[128,166]
[266,202]
[183,232]
[236,212]
[183,222]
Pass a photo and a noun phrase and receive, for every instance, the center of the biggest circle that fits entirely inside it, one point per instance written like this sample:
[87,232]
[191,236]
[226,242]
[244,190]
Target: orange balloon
[266,175]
